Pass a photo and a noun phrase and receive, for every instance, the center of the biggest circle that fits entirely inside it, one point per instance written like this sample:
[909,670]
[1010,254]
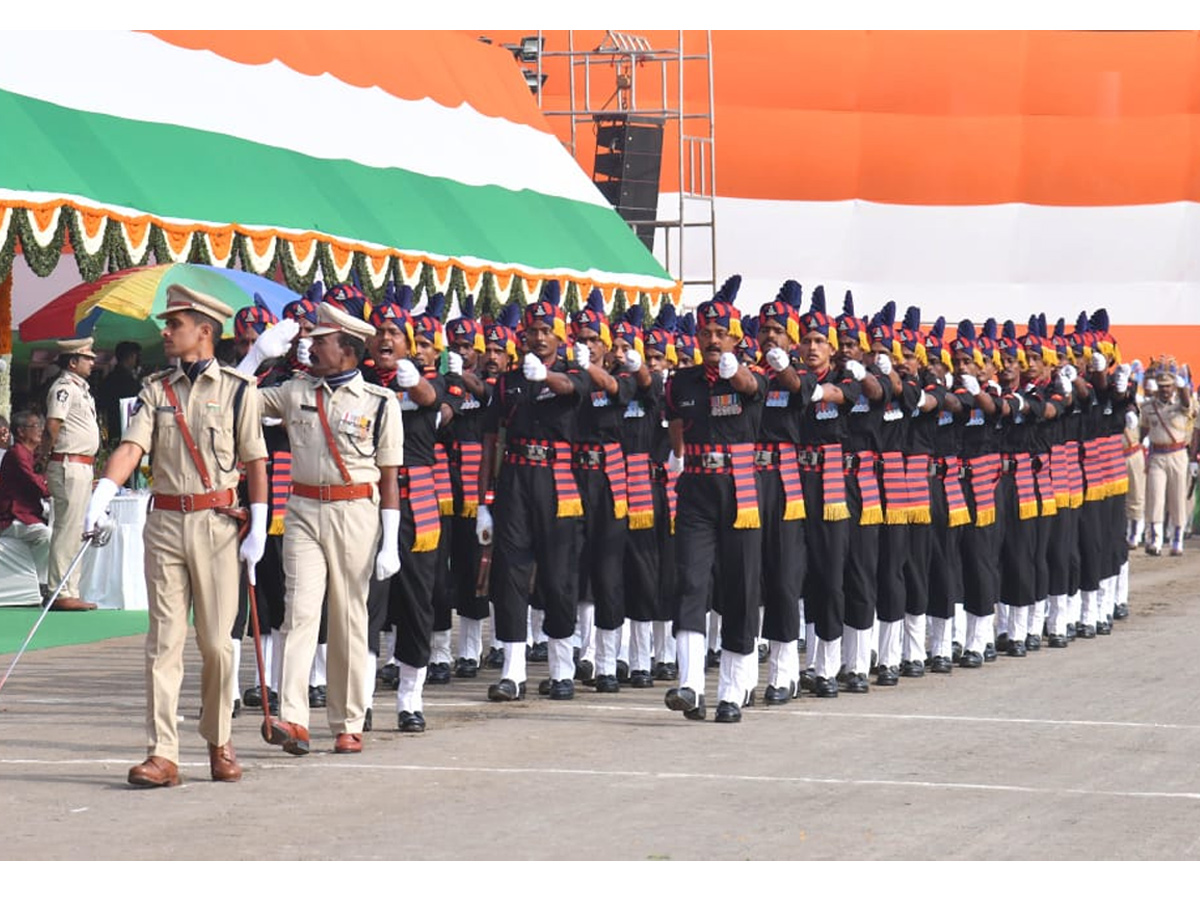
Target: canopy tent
[419,157]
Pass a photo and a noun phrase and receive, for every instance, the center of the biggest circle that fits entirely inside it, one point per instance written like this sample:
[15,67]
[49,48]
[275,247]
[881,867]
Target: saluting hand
[407,375]
[534,368]
[728,365]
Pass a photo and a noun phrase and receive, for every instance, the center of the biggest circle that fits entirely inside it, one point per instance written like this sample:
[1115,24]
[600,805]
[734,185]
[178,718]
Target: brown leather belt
[72,457]
[331,492]
[1159,448]
[187,503]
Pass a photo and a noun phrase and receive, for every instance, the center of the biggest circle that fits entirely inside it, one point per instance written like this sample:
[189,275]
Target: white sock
[811,642]
[1074,607]
[891,643]
[608,642]
[689,650]
[316,675]
[939,632]
[640,642]
[1088,607]
[1123,583]
[408,694]
[561,658]
[1002,617]
[914,638]
[470,638]
[727,679]
[783,664]
[439,647]
[1056,614]
[514,662]
[387,646]
[537,618]
[623,647]
[585,631]
[275,670]
[829,660]
[960,625]
[1037,618]
[714,630]
[980,632]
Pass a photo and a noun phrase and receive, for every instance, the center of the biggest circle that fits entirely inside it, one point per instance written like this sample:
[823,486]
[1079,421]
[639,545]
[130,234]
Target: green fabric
[197,175]
[64,628]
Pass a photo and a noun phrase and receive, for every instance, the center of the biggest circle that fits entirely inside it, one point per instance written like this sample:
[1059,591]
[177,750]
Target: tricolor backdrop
[969,173]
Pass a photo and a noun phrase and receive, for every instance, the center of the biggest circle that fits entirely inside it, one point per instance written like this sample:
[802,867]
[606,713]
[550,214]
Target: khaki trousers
[1135,499]
[191,565]
[70,489]
[37,538]
[328,553]
[1166,487]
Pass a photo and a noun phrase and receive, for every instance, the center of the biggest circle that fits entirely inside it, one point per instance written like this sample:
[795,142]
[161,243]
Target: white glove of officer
[1194,469]
[633,361]
[856,369]
[1098,362]
[1150,386]
[406,374]
[883,362]
[252,547]
[483,525]
[302,355]
[970,384]
[387,560]
[1121,381]
[728,365]
[97,518]
[534,368]
[674,463]
[271,344]
[454,363]
[1132,422]
[583,356]
[778,359]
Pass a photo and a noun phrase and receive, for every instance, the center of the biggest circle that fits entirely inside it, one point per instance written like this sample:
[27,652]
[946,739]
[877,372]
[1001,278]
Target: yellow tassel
[747,519]
[470,509]
[276,526]
[640,521]
[423,543]
[620,509]
[1077,500]
[1063,500]
[1029,510]
[1093,493]
[896,517]
[836,512]
[871,515]
[1049,508]
[1120,486]
[793,510]
[960,517]
[919,516]
[569,509]
[985,517]
[446,507]
[672,525]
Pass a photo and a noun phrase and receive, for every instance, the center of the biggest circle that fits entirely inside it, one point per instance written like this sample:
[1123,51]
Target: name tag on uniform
[471,402]
[945,417]
[407,404]
[826,410]
[861,405]
[599,398]
[545,394]
[304,407]
[976,418]
[725,405]
[777,398]
[165,409]
[893,414]
[634,410]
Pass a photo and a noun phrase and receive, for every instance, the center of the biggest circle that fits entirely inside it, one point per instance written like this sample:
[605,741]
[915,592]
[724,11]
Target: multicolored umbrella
[121,306]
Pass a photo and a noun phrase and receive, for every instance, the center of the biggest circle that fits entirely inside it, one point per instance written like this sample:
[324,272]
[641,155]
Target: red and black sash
[827,459]
[916,472]
[556,456]
[984,473]
[895,488]
[1093,470]
[1044,481]
[640,489]
[613,467]
[1060,475]
[956,503]
[739,462]
[789,476]
[281,488]
[868,486]
[470,459]
[417,487]
[1074,475]
[1027,501]
[441,480]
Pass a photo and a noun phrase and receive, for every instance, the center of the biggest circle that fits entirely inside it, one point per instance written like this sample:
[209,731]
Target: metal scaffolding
[604,80]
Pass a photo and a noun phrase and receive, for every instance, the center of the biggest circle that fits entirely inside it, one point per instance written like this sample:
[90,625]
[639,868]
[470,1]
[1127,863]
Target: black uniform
[466,454]
[640,430]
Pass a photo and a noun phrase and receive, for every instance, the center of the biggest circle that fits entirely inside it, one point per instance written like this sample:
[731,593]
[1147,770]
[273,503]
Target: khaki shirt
[1169,423]
[208,409]
[356,411]
[71,402]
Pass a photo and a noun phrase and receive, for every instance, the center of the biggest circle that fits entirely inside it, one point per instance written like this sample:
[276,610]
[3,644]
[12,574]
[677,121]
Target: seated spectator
[23,492]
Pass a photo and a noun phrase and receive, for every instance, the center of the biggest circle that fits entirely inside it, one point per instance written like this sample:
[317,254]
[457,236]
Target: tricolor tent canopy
[419,157]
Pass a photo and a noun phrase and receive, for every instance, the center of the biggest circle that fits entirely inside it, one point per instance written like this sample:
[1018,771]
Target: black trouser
[269,592]
[980,553]
[410,595]
[1063,555]
[704,532]
[443,600]
[892,594]
[827,544]
[602,552]
[664,604]
[535,552]
[641,572]
[1043,527]
[1113,535]
[862,563]
[783,561]
[1093,553]
[945,559]
[1017,548]
[465,554]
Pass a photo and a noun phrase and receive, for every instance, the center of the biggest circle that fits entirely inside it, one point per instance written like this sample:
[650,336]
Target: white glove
[483,525]
[856,369]
[1121,381]
[883,362]
[949,381]
[252,547]
[970,383]
[583,356]
[1021,404]
[1065,384]
[535,369]
[728,365]
[674,463]
[778,359]
[271,344]
[633,361]
[818,393]
[1150,386]
[3,365]
[454,363]
[1131,420]
[1097,363]
[407,375]
[1069,372]
[97,518]
[1194,469]
[387,560]
[302,355]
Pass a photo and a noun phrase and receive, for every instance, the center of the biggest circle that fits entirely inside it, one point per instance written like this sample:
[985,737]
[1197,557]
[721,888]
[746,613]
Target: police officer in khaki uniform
[68,452]
[347,445]
[198,421]
[1168,418]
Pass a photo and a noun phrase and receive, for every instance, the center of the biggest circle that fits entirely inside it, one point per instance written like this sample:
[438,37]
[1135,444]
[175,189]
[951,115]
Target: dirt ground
[1087,753]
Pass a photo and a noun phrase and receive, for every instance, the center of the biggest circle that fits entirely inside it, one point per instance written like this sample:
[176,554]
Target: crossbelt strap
[187,436]
[329,441]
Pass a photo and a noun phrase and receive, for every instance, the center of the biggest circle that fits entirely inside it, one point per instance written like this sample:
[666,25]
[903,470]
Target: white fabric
[370,673]
[583,356]
[1037,617]
[268,649]
[1108,596]
[114,576]
[811,642]
[937,632]
[640,645]
[536,618]
[1154,535]
[585,631]
[1057,606]
[608,643]
[514,663]
[470,638]
[914,638]
[891,642]
[856,650]
[275,669]
[387,646]
[235,683]
[561,658]
[979,633]
[1018,622]
[728,688]
[1002,617]
[689,649]
[439,647]
[1123,583]
[24,557]
[1089,608]
[623,648]
[960,624]
[714,631]
[783,663]
[829,658]
[728,365]
[664,642]
[1074,606]
[408,694]
[803,621]
[317,676]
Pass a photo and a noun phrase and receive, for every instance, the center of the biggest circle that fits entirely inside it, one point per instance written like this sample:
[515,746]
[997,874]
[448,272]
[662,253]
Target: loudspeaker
[627,166]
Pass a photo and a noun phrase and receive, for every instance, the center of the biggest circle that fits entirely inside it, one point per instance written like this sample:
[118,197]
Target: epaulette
[378,390]
[249,379]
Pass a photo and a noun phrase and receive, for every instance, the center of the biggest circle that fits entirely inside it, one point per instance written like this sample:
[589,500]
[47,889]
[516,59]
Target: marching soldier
[68,454]
[198,421]
[661,358]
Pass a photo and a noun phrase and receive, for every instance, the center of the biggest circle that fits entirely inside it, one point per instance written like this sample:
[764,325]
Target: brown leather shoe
[71,604]
[292,737]
[223,764]
[347,743]
[156,771]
